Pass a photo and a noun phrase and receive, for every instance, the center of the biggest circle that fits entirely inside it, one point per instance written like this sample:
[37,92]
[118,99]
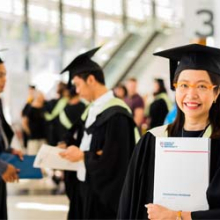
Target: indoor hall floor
[34,199]
[33,207]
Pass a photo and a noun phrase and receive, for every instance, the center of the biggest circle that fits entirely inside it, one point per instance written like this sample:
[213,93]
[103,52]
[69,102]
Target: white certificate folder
[181,175]
[48,157]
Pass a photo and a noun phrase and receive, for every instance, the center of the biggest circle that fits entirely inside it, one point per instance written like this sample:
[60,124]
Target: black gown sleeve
[106,173]
[209,214]
[74,135]
[213,195]
[138,186]
[213,191]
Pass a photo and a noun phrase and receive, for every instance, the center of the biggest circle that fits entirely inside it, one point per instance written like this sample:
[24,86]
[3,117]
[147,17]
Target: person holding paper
[8,172]
[71,134]
[195,76]
[106,146]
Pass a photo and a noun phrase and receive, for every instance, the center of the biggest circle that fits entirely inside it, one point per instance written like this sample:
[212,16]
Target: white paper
[48,157]
[181,175]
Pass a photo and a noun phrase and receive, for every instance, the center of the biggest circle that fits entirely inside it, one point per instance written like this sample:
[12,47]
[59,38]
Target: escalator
[117,67]
[148,67]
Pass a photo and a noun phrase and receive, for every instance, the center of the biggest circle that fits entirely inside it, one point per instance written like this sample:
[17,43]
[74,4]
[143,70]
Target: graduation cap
[82,64]
[192,56]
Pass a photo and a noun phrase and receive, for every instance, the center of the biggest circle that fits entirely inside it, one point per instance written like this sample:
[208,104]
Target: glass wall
[44,24]
[40,48]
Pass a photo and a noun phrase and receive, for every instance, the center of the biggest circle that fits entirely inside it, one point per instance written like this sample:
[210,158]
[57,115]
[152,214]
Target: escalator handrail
[126,39]
[134,61]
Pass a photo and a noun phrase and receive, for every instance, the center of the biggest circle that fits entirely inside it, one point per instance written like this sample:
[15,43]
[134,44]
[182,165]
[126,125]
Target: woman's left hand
[158,212]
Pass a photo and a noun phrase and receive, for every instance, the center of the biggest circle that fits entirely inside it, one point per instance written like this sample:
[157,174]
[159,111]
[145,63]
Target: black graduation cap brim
[82,64]
[177,52]
[192,56]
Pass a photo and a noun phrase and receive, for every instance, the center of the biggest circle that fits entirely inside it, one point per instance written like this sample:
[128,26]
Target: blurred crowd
[150,110]
[49,121]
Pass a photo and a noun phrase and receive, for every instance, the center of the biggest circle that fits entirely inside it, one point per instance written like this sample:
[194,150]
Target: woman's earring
[214,101]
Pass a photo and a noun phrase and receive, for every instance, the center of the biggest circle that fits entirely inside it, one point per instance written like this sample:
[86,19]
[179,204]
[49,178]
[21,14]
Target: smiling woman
[195,94]
[195,75]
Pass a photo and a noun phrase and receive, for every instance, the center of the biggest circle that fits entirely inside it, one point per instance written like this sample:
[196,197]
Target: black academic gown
[72,136]
[139,184]
[73,113]
[3,193]
[158,112]
[51,126]
[113,133]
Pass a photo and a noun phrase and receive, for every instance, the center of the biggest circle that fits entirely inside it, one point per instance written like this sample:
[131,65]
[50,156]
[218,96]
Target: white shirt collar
[104,98]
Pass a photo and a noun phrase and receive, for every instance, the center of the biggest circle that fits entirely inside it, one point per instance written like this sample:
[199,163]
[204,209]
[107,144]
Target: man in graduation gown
[8,172]
[107,143]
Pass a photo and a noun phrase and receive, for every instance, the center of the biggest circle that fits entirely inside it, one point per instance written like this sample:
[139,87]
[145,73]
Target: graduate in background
[71,134]
[107,142]
[8,173]
[34,124]
[161,104]
[24,121]
[52,110]
[135,101]
[196,80]
[70,114]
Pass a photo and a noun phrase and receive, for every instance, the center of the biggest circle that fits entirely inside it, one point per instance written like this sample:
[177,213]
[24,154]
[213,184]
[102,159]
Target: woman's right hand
[158,212]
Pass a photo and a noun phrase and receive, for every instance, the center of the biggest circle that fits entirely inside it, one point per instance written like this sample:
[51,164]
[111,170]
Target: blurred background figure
[31,93]
[65,113]
[160,105]
[53,108]
[34,123]
[30,98]
[135,101]
[70,114]
[120,91]
[71,132]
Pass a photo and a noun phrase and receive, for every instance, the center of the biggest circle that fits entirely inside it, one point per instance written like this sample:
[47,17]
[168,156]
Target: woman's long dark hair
[214,112]
[162,88]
